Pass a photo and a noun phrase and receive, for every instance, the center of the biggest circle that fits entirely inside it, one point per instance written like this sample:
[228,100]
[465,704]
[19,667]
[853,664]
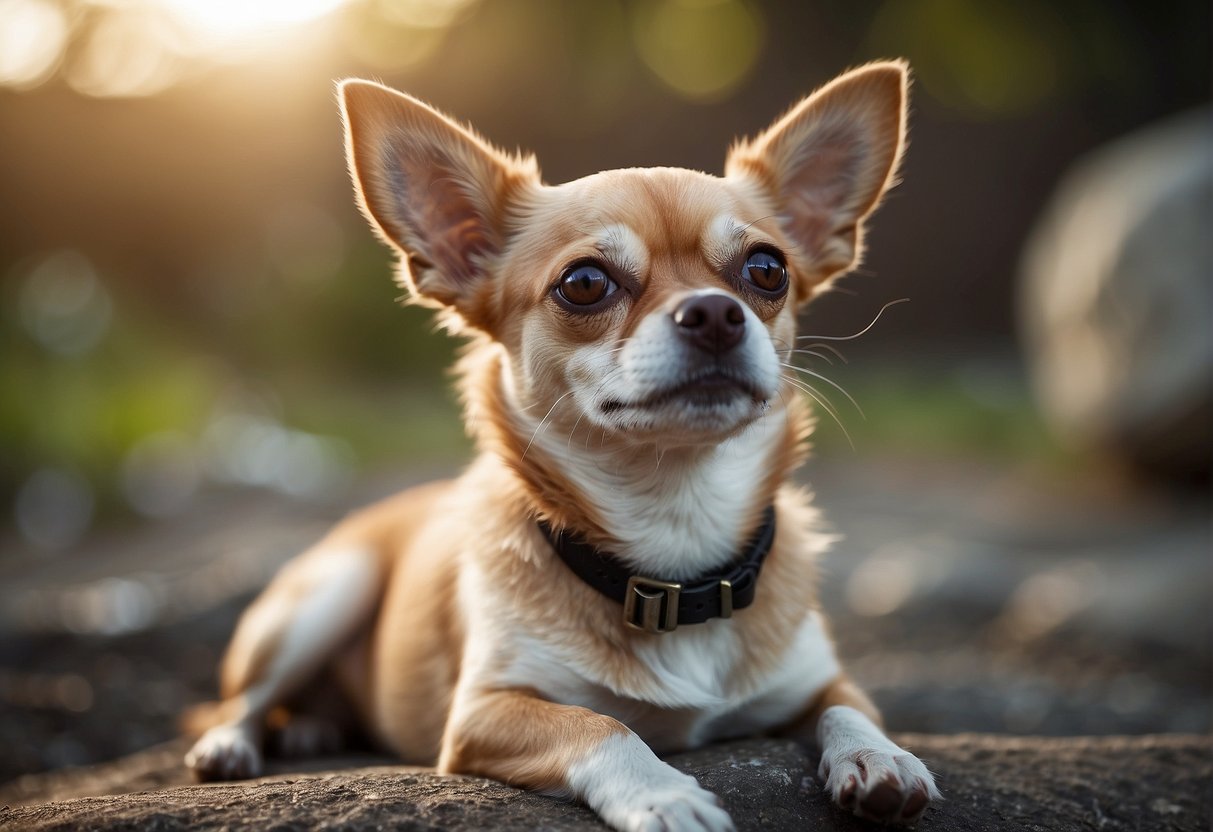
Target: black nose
[713,323]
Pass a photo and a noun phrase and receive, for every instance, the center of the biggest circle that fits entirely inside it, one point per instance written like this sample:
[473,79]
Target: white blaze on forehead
[724,234]
[624,247]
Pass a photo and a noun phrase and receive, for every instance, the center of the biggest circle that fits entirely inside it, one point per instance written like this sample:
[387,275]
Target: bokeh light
[880,585]
[699,48]
[1048,599]
[232,18]
[127,55]
[990,57]
[64,306]
[135,48]
[253,449]
[33,34]
[54,508]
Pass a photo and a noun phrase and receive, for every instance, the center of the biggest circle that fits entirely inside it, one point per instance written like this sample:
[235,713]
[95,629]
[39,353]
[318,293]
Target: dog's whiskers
[830,382]
[813,353]
[857,334]
[808,350]
[788,350]
[542,421]
[821,399]
[660,452]
[788,353]
[568,446]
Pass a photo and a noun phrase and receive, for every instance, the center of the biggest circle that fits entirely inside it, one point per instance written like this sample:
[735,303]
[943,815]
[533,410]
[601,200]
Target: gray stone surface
[990,783]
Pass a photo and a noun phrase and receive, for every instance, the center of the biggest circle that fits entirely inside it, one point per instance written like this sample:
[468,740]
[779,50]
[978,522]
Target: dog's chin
[705,410]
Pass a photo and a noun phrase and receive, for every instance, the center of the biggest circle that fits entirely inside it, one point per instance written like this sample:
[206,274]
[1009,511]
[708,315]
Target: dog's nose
[713,323]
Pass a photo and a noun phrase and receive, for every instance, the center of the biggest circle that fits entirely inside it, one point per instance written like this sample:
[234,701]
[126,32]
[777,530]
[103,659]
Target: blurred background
[203,363]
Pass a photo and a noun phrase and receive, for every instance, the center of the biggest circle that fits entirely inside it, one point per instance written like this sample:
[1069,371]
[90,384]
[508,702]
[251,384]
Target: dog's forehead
[645,211]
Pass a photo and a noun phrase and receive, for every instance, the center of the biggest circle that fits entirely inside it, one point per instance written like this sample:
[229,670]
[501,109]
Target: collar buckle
[726,598]
[651,605]
[654,606]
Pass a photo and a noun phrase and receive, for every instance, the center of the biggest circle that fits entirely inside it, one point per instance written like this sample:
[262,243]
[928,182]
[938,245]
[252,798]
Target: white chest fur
[692,686]
[679,513]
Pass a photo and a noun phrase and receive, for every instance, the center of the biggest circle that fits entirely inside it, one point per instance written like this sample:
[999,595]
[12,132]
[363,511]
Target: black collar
[660,606]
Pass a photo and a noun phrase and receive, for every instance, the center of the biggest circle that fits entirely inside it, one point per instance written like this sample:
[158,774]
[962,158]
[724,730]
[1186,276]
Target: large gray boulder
[1117,295]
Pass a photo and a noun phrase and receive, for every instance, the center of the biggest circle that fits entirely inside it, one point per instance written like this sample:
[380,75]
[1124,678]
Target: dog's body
[623,383]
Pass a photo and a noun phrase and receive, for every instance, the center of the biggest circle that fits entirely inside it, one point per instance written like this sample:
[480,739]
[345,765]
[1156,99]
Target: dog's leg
[314,605]
[317,720]
[565,750]
[864,771]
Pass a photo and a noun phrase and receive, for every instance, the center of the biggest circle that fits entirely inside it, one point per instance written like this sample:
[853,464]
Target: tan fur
[545,740]
[468,594]
[836,241]
[842,691]
[196,719]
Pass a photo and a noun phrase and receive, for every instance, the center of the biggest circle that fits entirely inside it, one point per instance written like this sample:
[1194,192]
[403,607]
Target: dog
[624,570]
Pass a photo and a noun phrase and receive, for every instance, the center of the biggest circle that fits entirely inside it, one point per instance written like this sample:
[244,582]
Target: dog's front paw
[225,752]
[885,784]
[869,774]
[633,791]
[671,807]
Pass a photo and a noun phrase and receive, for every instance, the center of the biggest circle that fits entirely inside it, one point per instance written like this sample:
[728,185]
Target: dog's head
[655,304]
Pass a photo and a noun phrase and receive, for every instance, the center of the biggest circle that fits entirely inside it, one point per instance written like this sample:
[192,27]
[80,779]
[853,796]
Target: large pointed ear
[827,162]
[433,189]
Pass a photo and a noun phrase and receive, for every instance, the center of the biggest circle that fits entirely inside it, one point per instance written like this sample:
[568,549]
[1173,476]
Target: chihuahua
[625,570]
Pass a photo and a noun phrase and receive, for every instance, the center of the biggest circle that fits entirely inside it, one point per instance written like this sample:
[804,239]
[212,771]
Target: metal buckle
[658,602]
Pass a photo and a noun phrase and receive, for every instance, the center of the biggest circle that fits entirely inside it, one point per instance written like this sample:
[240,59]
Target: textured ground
[990,783]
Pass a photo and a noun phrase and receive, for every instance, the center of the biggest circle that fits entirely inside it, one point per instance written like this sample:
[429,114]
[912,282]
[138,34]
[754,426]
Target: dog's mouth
[714,389]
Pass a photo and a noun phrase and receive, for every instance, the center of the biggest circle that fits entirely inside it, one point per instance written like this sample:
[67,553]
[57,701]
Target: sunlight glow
[32,36]
[423,14]
[138,48]
[232,18]
[126,56]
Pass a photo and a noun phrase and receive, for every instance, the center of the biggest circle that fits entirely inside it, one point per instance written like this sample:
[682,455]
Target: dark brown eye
[585,285]
[766,271]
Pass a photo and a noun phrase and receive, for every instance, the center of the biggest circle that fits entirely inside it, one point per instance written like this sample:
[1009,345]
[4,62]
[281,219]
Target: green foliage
[340,359]
[984,412]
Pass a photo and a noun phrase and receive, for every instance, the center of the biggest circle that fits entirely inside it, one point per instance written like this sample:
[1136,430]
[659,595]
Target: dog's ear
[827,162]
[433,189]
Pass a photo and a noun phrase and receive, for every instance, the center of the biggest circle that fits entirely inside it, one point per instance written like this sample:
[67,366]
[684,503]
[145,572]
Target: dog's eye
[766,271]
[585,285]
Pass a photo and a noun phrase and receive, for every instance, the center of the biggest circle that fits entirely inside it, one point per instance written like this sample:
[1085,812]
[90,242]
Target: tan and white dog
[625,569]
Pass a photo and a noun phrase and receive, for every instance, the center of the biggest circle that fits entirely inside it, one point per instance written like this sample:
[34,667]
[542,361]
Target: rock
[989,782]
[1117,286]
